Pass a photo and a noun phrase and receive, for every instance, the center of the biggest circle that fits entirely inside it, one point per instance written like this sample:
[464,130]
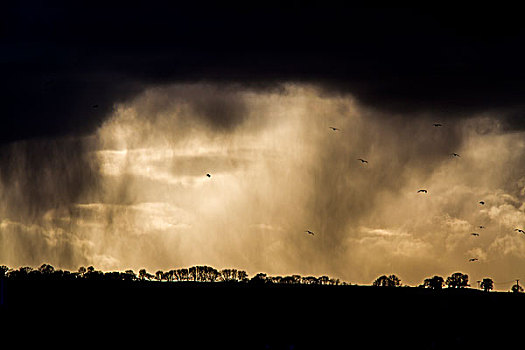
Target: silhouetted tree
[46,269]
[26,270]
[229,275]
[435,283]
[200,273]
[93,274]
[517,288]
[287,280]
[82,270]
[129,275]
[334,282]
[112,276]
[206,273]
[309,280]
[67,275]
[387,281]
[293,279]
[457,280]
[173,275]
[22,273]
[167,276]
[158,275]
[323,280]
[274,279]
[487,284]
[259,278]
[144,275]
[182,274]
[214,275]
[242,276]
[3,271]
[192,272]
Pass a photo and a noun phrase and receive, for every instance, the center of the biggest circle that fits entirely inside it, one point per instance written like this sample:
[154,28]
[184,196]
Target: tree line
[203,273]
[456,280]
[191,274]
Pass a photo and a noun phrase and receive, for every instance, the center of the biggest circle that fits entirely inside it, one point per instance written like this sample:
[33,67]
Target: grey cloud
[220,106]
[39,175]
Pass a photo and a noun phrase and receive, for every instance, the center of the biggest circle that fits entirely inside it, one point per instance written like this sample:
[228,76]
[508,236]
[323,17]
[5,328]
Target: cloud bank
[134,193]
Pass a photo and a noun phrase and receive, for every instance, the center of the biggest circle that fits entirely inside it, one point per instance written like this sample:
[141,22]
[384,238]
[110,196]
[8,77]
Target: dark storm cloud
[221,112]
[60,59]
[220,106]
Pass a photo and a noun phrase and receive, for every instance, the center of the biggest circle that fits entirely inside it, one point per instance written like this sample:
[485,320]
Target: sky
[113,115]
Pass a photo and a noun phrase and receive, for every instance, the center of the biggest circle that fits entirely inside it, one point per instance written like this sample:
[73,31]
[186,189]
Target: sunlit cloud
[277,169]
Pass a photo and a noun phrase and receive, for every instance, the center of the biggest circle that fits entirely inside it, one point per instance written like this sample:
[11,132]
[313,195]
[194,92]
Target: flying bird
[95,106]
[437,125]
[362,160]
[481,202]
[309,232]
[424,191]
[334,128]
[454,154]
[473,259]
[481,226]
[474,234]
[208,175]
[519,230]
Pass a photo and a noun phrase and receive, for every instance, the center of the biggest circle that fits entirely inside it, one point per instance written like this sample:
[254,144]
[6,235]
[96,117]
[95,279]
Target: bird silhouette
[309,232]
[519,230]
[437,125]
[473,259]
[474,234]
[481,226]
[424,191]
[208,175]
[454,154]
[482,202]
[95,106]
[334,128]
[362,160]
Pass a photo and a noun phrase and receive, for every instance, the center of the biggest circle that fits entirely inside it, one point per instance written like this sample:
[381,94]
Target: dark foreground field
[152,315]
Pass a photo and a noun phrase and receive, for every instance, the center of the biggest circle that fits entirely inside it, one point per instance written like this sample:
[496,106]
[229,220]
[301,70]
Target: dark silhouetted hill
[152,314]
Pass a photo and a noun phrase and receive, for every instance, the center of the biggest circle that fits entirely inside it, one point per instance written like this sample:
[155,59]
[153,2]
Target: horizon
[233,275]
